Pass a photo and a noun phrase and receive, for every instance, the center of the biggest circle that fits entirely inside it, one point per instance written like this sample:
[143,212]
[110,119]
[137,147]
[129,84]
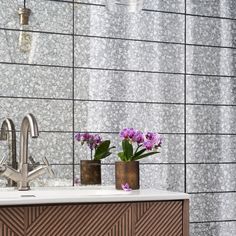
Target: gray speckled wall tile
[164,5]
[211,148]
[214,228]
[215,177]
[37,81]
[56,147]
[46,49]
[213,61]
[212,207]
[108,174]
[212,8]
[63,177]
[210,31]
[211,90]
[130,55]
[45,15]
[116,116]
[155,26]
[172,150]
[165,177]
[51,114]
[211,119]
[144,87]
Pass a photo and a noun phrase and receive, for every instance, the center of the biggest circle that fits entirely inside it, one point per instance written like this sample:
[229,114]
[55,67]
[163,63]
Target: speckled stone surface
[46,49]
[52,115]
[211,90]
[212,207]
[211,61]
[164,5]
[38,81]
[208,178]
[213,228]
[154,26]
[211,31]
[123,85]
[212,8]
[211,148]
[92,85]
[45,15]
[211,119]
[128,55]
[115,116]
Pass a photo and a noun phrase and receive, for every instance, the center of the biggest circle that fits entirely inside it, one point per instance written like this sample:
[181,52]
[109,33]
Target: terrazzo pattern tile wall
[171,68]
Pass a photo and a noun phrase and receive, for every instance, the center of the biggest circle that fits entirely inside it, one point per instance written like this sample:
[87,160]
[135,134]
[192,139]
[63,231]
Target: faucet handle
[49,168]
[33,163]
[2,164]
[4,160]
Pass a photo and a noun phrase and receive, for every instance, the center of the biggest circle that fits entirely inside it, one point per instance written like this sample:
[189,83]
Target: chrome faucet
[22,176]
[8,133]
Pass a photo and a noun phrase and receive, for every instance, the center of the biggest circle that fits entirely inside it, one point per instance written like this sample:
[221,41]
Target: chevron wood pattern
[103,219]
[160,219]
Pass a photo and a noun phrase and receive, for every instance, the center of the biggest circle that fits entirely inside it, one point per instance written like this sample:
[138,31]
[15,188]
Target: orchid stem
[137,149]
[91,154]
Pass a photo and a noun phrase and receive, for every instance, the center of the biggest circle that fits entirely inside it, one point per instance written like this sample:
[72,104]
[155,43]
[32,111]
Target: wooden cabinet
[156,218]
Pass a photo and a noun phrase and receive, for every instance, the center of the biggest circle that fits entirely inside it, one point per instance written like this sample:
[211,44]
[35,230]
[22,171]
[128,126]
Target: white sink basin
[11,196]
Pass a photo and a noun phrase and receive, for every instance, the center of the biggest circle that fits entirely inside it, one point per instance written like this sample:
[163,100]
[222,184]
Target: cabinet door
[12,221]
[104,219]
[159,219]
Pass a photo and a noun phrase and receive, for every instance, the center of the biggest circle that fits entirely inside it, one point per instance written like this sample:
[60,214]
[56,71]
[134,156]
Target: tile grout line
[117,70]
[185,96]
[73,92]
[124,39]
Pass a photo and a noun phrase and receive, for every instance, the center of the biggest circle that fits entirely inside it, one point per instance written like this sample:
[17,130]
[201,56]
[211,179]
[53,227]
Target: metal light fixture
[25,38]
[124,5]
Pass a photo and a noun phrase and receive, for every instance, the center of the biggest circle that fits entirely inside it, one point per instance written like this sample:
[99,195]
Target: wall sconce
[124,5]
[25,38]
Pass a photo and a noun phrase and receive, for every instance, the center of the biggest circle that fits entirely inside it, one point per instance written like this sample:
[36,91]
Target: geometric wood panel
[160,219]
[12,221]
[163,218]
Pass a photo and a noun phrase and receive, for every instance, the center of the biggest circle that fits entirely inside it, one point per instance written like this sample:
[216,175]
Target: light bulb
[25,39]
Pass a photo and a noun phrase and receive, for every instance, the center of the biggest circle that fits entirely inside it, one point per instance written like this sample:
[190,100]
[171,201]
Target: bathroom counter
[95,194]
[93,211]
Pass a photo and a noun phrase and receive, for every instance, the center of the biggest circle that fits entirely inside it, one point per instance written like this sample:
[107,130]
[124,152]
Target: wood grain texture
[106,219]
[186,217]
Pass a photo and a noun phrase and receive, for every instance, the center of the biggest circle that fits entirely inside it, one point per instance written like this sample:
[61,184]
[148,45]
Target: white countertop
[88,194]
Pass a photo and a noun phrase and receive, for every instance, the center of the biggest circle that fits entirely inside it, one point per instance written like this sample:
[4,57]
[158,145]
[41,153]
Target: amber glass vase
[127,172]
[90,172]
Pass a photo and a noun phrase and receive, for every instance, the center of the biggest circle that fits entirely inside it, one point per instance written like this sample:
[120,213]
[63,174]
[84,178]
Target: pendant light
[25,38]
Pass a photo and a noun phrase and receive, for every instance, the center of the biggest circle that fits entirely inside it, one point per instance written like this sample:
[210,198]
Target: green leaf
[121,156]
[139,152]
[127,149]
[103,150]
[103,147]
[145,155]
[102,156]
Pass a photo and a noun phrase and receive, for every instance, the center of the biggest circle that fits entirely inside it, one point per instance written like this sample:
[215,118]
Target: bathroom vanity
[95,211]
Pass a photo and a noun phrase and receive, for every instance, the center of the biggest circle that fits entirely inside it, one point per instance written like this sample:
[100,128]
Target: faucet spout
[29,123]
[8,133]
[22,175]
